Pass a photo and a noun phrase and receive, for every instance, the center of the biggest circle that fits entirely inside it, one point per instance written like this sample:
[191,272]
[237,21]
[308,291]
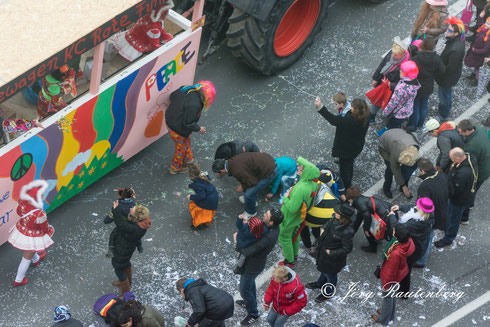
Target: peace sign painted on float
[21,166]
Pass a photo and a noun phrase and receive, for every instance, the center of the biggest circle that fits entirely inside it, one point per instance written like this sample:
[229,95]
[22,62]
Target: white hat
[437,2]
[431,125]
[401,43]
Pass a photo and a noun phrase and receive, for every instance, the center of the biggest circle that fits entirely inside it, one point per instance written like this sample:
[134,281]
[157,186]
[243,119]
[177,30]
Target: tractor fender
[259,9]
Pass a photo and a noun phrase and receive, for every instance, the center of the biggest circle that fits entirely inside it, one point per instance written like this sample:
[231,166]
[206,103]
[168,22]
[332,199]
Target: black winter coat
[364,206]
[460,180]
[339,240]
[447,140]
[430,65]
[393,76]
[184,111]
[435,187]
[452,57]
[419,232]
[350,134]
[256,254]
[208,302]
[69,323]
[126,240]
[230,149]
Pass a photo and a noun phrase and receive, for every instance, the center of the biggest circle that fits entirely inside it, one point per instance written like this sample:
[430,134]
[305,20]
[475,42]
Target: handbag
[380,95]
[378,226]
[467,14]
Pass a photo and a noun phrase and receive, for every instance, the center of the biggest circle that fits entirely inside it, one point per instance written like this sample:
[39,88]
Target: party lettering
[162,76]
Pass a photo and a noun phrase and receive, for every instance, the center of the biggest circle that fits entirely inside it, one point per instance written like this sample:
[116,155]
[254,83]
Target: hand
[38,124]
[266,306]
[367,233]
[202,130]
[486,60]
[343,198]
[406,192]
[321,231]
[482,14]
[188,196]
[395,208]
[239,188]
[424,30]
[269,195]
[115,204]
[318,103]
[374,83]
[234,237]
[438,168]
[328,252]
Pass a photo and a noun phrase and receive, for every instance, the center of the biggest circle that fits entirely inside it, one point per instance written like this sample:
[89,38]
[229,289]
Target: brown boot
[125,287]
[129,273]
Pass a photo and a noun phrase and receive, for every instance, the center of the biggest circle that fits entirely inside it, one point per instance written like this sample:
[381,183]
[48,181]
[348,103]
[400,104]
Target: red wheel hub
[296,26]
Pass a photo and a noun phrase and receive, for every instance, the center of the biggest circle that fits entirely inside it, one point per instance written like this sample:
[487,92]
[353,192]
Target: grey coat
[391,144]
[447,140]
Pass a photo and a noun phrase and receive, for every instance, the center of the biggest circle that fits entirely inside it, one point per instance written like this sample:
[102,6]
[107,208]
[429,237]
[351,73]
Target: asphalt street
[276,112]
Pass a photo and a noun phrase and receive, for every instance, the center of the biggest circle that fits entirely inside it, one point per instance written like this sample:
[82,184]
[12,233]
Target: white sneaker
[242,200]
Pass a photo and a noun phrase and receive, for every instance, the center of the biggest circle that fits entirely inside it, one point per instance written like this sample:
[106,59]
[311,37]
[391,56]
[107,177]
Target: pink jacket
[401,102]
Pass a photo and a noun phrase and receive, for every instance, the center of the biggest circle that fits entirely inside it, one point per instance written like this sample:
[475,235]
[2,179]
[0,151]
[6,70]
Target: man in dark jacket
[430,65]
[447,138]
[475,142]
[452,56]
[461,179]
[210,305]
[334,244]
[254,171]
[366,206]
[435,187]
[230,149]
[256,257]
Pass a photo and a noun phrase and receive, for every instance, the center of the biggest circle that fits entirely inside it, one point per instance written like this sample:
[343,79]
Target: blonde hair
[424,214]
[141,213]
[195,172]
[280,273]
[340,97]
[396,48]
[409,156]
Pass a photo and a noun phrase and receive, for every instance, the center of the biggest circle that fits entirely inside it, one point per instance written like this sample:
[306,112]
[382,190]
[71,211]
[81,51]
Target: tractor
[269,35]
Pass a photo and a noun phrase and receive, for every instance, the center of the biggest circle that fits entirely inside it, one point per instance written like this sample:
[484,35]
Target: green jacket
[478,144]
[303,192]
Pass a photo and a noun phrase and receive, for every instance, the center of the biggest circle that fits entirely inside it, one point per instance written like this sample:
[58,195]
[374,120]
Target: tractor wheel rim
[295,26]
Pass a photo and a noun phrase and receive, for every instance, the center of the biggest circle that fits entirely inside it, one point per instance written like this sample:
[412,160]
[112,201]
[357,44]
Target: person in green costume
[303,193]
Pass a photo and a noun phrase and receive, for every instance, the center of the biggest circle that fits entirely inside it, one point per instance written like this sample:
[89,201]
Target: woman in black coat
[350,135]
[131,229]
[367,206]
[334,244]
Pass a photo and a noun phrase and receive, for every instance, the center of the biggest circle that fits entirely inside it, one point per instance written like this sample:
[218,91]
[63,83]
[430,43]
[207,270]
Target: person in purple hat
[418,219]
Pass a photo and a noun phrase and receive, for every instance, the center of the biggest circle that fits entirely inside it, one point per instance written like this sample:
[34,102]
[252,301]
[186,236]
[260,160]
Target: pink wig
[209,92]
[417,43]
[410,69]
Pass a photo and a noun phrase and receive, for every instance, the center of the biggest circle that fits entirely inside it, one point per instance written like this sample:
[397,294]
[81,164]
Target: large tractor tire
[275,44]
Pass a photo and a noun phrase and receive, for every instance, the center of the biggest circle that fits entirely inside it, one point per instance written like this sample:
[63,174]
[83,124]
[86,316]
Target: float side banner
[78,47]
[99,135]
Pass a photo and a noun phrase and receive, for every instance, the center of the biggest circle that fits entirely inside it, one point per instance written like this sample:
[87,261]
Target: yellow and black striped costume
[317,216]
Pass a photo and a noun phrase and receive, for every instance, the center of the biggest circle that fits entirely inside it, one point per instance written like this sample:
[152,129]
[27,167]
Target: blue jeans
[455,212]
[423,260]
[388,309]
[251,193]
[407,172]
[420,109]
[276,320]
[327,278]
[249,293]
[395,123]
[445,101]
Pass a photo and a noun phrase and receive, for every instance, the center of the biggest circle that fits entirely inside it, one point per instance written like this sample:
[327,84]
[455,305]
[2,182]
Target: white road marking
[464,311]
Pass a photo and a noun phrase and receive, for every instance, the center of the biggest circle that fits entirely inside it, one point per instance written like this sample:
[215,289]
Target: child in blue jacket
[204,203]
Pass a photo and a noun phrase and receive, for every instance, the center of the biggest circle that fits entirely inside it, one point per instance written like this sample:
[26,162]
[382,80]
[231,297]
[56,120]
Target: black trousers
[405,283]
[466,212]
[346,166]
[305,235]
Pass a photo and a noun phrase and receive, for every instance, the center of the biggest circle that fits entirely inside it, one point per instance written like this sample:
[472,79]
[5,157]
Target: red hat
[33,193]
[256,227]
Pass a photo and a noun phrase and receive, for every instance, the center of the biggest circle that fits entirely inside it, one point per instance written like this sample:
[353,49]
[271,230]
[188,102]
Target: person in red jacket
[393,270]
[287,295]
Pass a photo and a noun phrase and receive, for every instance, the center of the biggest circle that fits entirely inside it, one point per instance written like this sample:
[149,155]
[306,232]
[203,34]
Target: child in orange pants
[204,203]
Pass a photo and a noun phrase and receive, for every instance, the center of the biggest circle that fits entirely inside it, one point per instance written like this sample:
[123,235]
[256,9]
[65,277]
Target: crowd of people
[314,199]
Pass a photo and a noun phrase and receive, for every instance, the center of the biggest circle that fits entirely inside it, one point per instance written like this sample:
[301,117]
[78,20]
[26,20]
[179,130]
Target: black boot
[369,249]
[387,193]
